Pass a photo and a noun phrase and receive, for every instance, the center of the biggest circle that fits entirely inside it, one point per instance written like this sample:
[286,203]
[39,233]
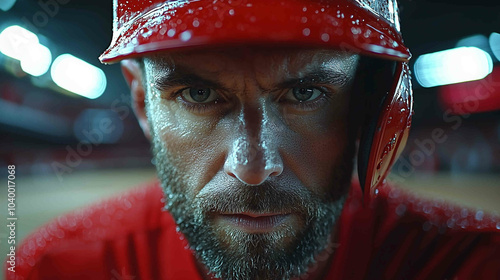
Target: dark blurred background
[453,149]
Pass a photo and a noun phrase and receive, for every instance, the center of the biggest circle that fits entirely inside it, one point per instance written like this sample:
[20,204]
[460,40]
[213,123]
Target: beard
[284,253]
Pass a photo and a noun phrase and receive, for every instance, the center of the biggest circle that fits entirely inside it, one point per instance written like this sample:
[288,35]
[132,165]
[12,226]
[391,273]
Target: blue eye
[199,95]
[303,94]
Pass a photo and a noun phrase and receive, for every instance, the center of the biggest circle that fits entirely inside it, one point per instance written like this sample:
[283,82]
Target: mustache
[268,197]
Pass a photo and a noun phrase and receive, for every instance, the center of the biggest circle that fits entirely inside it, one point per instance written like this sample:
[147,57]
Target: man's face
[253,151]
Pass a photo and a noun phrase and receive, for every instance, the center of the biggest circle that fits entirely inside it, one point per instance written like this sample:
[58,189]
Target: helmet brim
[323,24]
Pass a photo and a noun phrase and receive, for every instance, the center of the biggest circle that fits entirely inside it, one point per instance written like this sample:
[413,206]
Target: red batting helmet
[368,27]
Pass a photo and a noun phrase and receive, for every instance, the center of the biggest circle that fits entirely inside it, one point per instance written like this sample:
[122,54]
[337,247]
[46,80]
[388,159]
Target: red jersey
[397,236]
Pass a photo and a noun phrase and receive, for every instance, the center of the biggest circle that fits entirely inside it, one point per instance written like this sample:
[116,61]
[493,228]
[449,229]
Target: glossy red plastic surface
[392,130]
[147,26]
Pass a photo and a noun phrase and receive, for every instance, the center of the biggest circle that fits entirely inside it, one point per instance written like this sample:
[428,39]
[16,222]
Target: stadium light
[23,45]
[452,66]
[78,76]
[494,41]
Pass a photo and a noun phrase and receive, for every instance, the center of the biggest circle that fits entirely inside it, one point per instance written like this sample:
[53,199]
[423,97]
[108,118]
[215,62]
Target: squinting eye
[303,94]
[199,95]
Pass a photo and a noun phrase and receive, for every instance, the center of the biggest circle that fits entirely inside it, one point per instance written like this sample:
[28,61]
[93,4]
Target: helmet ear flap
[377,86]
[386,125]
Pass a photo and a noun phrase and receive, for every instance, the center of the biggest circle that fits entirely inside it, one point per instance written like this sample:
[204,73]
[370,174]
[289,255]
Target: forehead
[285,61]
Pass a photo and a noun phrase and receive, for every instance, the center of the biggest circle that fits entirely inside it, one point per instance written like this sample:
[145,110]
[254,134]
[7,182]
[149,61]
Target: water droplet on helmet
[196,23]
[171,33]
[450,223]
[306,32]
[479,215]
[303,19]
[304,9]
[231,12]
[356,30]
[325,37]
[163,30]
[367,34]
[464,223]
[147,33]
[401,209]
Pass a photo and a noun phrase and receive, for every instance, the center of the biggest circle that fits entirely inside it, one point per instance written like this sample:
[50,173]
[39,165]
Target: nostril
[231,174]
[275,170]
[275,173]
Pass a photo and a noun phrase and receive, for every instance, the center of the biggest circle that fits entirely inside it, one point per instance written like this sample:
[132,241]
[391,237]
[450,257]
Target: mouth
[253,222]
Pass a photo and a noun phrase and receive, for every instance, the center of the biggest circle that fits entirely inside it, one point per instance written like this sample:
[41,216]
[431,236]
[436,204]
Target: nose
[252,162]
[253,156]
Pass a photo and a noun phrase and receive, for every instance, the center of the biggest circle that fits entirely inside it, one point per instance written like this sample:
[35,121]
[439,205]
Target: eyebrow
[318,76]
[179,77]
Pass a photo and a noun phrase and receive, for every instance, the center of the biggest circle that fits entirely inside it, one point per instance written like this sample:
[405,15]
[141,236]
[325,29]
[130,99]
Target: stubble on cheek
[190,144]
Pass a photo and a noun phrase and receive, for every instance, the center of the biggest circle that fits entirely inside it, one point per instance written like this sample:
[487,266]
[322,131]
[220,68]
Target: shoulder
[80,239]
[435,238]
[436,212]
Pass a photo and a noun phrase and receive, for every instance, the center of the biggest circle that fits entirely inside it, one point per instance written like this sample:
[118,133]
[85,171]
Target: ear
[134,76]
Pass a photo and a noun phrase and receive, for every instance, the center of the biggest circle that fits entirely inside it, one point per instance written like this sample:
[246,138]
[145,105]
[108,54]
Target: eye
[303,94]
[199,95]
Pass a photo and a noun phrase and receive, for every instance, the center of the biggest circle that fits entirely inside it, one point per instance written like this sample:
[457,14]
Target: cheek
[193,145]
[315,151]
[315,159]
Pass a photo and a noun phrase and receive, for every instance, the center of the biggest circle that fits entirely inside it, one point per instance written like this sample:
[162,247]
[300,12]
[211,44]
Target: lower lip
[255,224]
